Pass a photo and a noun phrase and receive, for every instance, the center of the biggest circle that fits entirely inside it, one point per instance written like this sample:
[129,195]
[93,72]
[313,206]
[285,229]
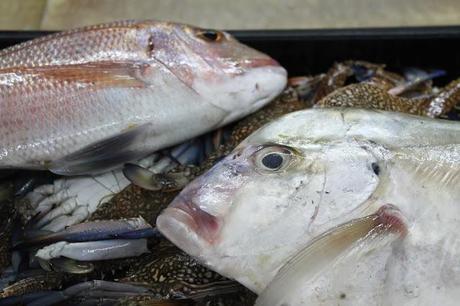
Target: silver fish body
[305,174]
[86,100]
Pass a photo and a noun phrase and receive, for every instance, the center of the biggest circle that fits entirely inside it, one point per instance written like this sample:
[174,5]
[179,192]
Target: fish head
[284,185]
[228,74]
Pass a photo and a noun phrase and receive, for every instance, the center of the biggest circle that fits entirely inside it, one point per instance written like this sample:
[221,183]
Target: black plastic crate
[313,51]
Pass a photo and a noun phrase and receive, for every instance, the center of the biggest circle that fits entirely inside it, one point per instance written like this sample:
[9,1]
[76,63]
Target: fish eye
[272,161]
[210,35]
[273,158]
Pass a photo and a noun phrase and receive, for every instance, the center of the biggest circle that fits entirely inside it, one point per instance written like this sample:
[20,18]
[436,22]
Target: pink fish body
[90,99]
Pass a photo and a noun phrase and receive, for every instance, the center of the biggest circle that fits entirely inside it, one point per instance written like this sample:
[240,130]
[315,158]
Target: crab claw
[149,180]
[66,265]
[134,228]
[94,250]
[95,290]
[90,241]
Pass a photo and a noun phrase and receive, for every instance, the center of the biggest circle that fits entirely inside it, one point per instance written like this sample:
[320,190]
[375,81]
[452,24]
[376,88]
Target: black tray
[313,51]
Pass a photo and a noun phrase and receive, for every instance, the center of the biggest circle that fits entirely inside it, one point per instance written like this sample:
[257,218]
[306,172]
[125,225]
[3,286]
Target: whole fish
[89,99]
[331,207]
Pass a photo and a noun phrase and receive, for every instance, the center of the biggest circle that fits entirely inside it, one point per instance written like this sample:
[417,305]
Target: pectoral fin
[325,249]
[103,155]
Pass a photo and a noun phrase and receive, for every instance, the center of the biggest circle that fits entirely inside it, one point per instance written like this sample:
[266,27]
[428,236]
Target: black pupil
[272,161]
[375,168]
[210,35]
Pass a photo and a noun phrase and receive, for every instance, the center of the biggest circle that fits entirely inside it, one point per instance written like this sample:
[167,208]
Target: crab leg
[133,228]
[95,288]
[366,95]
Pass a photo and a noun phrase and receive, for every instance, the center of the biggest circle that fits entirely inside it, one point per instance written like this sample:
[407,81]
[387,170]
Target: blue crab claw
[25,299]
[25,181]
[415,77]
[66,265]
[94,250]
[186,153]
[149,180]
[95,290]
[305,87]
[414,74]
[134,228]
[195,151]
[45,298]
[190,153]
[362,73]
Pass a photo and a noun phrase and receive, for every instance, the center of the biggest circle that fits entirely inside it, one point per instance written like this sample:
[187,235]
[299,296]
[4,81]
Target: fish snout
[188,226]
[260,62]
[203,223]
[195,219]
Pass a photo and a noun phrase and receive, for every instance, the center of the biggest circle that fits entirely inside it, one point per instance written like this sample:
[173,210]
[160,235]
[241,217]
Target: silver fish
[87,100]
[273,207]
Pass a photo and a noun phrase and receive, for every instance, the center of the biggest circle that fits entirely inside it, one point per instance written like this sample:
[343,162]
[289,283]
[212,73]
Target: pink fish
[87,100]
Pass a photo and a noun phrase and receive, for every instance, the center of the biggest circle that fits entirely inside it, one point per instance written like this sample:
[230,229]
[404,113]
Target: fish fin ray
[103,155]
[320,253]
[438,164]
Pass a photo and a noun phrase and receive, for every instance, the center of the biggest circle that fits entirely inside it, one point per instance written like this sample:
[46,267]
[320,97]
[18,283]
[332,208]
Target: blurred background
[234,14]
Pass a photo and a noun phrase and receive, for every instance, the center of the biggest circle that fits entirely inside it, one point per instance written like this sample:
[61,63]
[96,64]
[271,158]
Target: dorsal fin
[390,129]
[71,46]
[440,164]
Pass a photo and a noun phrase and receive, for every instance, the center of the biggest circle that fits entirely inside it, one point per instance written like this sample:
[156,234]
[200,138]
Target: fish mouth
[261,62]
[183,222]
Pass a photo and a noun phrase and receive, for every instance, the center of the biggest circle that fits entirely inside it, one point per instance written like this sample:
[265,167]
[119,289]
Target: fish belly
[41,122]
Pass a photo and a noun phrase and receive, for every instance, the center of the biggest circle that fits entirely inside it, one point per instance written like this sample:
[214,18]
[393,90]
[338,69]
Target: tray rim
[423,32]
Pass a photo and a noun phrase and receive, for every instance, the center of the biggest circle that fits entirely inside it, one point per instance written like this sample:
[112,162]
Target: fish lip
[205,225]
[261,62]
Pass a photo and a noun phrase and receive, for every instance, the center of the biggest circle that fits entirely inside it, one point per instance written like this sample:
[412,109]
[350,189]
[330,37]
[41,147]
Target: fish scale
[79,113]
[75,46]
